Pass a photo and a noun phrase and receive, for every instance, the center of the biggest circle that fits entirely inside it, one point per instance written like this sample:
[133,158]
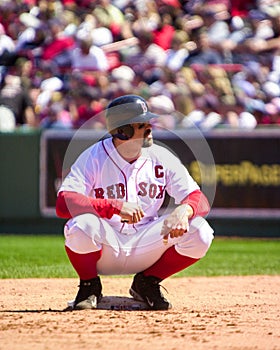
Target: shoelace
[164,289]
[156,290]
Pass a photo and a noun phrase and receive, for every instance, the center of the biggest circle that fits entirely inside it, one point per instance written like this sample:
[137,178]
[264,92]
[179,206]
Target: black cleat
[89,294]
[147,288]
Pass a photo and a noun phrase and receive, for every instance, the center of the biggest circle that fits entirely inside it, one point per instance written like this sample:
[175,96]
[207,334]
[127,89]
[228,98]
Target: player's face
[131,149]
[143,133]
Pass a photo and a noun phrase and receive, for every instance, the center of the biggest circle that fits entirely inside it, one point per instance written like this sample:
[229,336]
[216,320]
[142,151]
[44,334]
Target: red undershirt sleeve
[70,204]
[198,201]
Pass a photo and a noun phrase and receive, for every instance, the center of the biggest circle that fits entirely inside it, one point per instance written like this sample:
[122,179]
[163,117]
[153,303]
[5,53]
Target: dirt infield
[208,313]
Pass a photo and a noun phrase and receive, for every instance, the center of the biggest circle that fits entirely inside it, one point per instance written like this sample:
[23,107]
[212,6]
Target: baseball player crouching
[112,196]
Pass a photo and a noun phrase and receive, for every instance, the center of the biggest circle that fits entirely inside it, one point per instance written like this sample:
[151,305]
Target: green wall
[19,185]
[19,176]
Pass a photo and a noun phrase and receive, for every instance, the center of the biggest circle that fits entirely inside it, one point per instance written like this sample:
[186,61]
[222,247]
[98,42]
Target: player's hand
[177,223]
[131,213]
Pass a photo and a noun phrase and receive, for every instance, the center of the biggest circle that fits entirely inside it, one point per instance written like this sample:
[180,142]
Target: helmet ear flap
[125,132]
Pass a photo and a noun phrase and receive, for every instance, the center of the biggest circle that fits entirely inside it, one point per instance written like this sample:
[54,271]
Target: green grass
[24,256]
[239,257]
[43,256]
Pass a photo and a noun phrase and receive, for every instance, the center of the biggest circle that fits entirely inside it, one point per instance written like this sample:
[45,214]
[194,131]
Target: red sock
[169,263]
[84,264]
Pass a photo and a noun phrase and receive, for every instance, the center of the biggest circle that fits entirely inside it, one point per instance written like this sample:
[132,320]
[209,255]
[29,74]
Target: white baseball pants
[132,253]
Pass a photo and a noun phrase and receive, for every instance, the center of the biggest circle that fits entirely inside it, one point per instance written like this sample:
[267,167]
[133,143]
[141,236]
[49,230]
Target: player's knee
[78,234]
[204,241]
[198,240]
[86,223]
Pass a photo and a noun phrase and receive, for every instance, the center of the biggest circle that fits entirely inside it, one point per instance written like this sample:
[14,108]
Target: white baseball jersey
[100,172]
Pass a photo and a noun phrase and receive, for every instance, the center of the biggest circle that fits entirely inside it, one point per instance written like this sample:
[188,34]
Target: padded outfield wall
[242,180]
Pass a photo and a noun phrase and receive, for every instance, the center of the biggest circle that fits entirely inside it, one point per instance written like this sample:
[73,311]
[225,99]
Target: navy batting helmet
[127,109]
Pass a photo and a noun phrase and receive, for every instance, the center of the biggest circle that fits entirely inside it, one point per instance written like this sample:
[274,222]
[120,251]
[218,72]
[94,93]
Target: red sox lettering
[117,191]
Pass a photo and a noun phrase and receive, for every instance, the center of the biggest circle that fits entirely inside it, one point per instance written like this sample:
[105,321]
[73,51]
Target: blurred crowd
[206,64]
